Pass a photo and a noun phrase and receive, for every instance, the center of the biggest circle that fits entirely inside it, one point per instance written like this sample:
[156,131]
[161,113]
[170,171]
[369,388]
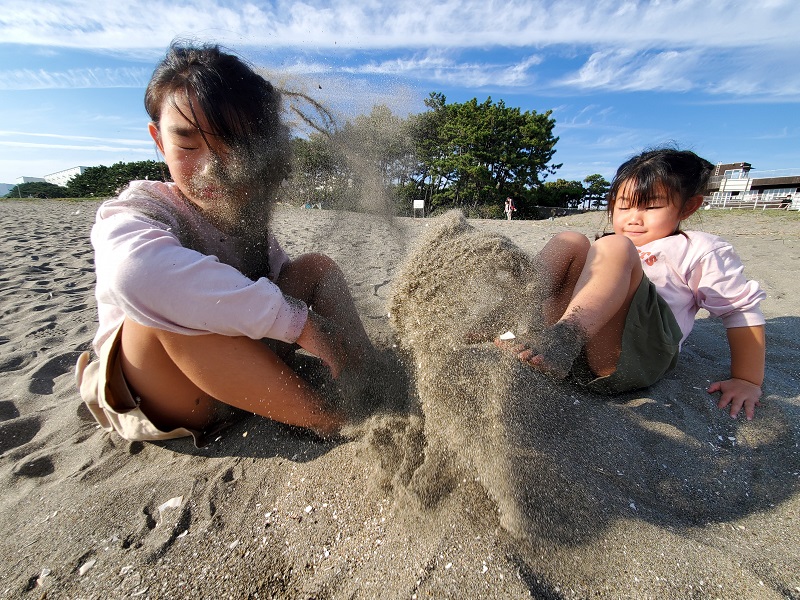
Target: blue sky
[718,76]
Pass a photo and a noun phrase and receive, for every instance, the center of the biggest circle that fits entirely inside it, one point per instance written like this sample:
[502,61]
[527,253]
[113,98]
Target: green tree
[479,153]
[37,189]
[103,181]
[560,193]
[596,190]
[315,177]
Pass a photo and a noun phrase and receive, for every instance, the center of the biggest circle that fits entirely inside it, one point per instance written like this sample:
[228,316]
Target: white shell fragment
[171,503]
[508,335]
[86,566]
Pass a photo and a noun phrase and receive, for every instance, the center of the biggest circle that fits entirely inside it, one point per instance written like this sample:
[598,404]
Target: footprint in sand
[15,361]
[8,410]
[43,380]
[38,464]
[16,432]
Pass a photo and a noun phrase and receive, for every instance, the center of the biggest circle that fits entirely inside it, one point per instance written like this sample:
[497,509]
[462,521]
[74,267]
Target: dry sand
[480,478]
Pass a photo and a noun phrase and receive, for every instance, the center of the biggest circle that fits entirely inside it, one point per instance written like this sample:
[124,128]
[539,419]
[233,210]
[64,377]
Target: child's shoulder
[154,199]
[702,242]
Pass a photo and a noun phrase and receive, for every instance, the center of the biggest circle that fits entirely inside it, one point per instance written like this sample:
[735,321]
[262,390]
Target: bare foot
[551,351]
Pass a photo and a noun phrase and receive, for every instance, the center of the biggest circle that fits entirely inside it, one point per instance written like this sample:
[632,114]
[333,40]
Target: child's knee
[316,263]
[576,243]
[618,246]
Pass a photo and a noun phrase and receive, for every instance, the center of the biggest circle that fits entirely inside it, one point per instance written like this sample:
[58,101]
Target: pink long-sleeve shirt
[160,263]
[698,270]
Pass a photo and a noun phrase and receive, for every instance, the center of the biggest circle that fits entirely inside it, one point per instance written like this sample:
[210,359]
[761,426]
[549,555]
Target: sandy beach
[477,478]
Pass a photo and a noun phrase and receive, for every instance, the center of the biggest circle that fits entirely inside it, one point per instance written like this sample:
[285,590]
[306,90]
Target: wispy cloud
[76,138]
[403,23]
[627,70]
[83,147]
[636,45]
[445,69]
[590,116]
[21,140]
[39,79]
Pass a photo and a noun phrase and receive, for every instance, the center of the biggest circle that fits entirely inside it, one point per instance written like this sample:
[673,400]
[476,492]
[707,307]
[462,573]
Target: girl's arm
[743,389]
[143,269]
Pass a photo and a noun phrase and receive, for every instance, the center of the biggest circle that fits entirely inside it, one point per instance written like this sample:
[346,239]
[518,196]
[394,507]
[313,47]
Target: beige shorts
[106,393]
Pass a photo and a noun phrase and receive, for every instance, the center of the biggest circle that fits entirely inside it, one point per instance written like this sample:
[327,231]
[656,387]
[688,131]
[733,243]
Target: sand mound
[585,485]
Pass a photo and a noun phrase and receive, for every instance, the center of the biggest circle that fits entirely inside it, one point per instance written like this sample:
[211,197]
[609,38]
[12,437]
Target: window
[778,193]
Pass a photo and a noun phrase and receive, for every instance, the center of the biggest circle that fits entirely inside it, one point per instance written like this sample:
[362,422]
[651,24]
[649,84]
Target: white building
[61,178]
[738,185]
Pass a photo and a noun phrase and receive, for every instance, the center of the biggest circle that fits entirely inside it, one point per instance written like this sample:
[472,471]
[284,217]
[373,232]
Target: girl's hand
[737,393]
[322,338]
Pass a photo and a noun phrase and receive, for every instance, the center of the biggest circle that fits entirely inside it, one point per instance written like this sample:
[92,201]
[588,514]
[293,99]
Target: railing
[754,203]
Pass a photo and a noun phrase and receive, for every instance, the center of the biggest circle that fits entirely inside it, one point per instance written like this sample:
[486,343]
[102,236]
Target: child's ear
[691,206]
[156,135]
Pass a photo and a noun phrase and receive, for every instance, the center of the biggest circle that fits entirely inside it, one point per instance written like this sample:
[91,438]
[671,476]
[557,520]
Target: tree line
[94,182]
[470,155]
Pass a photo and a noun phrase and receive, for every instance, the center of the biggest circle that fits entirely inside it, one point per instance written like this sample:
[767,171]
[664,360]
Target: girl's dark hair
[681,172]
[241,107]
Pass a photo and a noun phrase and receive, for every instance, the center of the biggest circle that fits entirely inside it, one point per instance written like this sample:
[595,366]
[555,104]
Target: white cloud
[626,70]
[84,147]
[75,138]
[445,69]
[755,73]
[40,79]
[633,45]
[589,116]
[403,23]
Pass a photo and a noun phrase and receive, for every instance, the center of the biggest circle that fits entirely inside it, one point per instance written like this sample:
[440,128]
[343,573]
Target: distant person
[627,302]
[510,208]
[191,283]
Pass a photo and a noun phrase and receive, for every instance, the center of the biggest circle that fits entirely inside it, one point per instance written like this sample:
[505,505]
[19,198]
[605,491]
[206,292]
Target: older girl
[190,280]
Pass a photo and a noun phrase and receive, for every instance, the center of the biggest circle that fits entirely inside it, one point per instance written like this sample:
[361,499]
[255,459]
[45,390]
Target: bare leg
[181,380]
[594,316]
[559,265]
[317,280]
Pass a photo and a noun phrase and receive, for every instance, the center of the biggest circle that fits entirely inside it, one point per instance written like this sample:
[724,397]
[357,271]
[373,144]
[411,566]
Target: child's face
[195,167]
[659,219]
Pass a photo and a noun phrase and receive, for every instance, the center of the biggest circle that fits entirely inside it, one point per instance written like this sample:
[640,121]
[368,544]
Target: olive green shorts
[650,344]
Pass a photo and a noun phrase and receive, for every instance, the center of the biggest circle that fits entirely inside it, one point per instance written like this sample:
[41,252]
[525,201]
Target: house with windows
[738,185]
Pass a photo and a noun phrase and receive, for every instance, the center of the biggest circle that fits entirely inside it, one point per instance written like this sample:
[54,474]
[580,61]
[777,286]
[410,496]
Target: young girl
[628,301]
[190,280]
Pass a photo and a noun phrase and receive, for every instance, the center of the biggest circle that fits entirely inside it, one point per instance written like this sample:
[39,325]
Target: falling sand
[570,473]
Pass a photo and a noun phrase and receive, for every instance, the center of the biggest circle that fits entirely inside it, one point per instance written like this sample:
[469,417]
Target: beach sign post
[419,205]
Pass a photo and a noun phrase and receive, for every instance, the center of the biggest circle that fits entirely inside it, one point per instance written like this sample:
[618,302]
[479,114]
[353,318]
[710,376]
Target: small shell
[86,566]
[171,503]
